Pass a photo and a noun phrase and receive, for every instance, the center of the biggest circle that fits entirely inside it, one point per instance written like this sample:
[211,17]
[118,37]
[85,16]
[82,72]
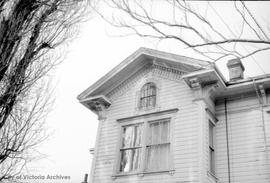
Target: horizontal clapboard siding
[248,160]
[172,94]
[247,135]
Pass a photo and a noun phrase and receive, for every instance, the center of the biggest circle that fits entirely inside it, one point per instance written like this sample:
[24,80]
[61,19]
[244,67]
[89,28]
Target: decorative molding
[128,83]
[167,72]
[147,72]
[195,84]
[209,112]
[142,174]
[98,104]
[171,172]
[148,114]
[202,91]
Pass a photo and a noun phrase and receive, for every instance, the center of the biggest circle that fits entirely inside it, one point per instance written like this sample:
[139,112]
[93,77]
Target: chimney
[92,151]
[236,69]
[85,178]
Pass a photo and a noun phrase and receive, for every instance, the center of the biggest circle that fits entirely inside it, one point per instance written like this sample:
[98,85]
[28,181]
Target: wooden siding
[172,94]
[247,135]
[246,141]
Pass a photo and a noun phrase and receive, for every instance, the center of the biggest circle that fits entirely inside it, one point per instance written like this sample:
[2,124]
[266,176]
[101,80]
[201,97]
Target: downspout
[263,122]
[227,140]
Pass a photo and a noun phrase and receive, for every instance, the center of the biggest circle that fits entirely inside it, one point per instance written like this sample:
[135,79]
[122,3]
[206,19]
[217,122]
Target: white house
[172,119]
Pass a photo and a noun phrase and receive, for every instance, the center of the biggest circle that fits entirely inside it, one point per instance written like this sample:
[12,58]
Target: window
[147,96]
[158,146]
[131,148]
[211,148]
[154,149]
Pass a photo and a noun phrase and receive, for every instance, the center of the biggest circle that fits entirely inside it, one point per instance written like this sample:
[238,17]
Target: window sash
[159,131]
[158,157]
[130,159]
[131,136]
[131,148]
[158,145]
[148,95]
[145,153]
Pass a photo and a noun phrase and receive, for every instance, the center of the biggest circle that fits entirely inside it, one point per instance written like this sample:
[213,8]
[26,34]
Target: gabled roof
[195,71]
[136,61]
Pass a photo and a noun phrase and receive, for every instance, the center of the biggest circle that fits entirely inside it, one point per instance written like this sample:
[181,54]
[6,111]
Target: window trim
[144,119]
[158,84]
[139,105]
[118,149]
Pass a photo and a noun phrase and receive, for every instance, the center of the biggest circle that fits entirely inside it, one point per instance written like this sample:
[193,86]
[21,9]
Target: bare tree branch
[31,35]
[190,27]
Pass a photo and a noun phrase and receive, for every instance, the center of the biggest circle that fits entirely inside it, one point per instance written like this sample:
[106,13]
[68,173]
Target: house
[172,119]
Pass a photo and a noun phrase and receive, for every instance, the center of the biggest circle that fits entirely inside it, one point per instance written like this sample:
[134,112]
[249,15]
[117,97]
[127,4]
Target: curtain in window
[148,95]
[158,148]
[131,148]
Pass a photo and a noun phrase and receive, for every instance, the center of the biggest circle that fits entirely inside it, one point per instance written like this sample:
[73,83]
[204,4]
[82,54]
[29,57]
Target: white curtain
[158,148]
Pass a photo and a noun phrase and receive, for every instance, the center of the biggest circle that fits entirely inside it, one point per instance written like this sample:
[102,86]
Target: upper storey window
[148,95]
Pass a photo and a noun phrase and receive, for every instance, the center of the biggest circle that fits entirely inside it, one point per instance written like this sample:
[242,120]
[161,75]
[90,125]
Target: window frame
[144,120]
[128,148]
[140,97]
[146,145]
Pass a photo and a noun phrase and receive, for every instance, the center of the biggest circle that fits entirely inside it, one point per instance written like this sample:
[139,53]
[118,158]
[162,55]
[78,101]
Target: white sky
[91,55]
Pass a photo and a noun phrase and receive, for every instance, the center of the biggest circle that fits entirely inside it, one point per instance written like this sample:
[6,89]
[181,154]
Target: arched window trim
[148,96]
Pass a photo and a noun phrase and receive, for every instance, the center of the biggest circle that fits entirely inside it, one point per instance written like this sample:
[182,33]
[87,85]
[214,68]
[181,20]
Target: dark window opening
[148,96]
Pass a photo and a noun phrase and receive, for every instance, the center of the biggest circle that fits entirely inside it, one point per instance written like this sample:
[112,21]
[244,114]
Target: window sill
[141,174]
[210,174]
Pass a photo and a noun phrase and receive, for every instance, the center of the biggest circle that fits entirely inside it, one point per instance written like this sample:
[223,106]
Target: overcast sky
[90,56]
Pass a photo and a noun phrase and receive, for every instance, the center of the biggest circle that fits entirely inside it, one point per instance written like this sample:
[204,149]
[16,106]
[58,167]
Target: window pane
[131,136]
[152,156]
[148,90]
[153,90]
[159,132]
[147,101]
[212,160]
[130,160]
[145,91]
[158,157]
[211,134]
[142,105]
[154,135]
[165,131]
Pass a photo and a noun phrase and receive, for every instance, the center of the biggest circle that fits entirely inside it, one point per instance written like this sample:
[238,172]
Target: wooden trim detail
[209,112]
[148,115]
